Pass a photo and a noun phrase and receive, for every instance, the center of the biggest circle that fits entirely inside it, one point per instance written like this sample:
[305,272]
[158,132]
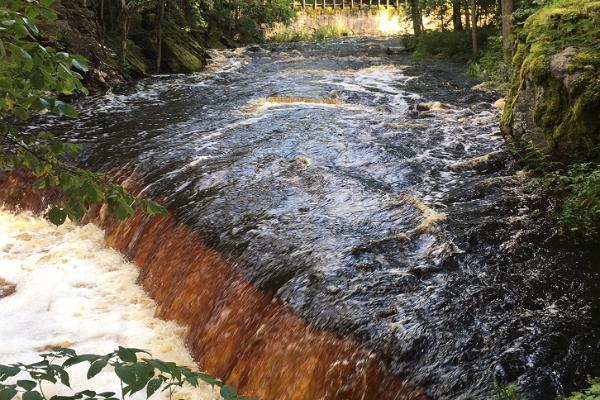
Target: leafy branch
[134,372]
[32,76]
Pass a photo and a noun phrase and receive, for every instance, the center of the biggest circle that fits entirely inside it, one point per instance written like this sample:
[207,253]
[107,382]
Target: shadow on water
[309,168]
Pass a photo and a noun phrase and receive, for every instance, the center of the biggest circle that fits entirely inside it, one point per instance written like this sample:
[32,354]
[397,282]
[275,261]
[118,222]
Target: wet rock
[254,49]
[487,162]
[6,288]
[499,104]
[431,106]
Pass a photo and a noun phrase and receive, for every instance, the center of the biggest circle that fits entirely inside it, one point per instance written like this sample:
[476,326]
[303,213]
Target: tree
[416,16]
[456,16]
[507,9]
[32,76]
[474,27]
[160,16]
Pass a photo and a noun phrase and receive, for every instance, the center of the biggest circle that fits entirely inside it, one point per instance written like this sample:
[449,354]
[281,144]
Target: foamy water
[73,291]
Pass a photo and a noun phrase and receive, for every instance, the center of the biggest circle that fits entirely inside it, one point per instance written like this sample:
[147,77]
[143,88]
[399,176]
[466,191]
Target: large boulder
[555,99]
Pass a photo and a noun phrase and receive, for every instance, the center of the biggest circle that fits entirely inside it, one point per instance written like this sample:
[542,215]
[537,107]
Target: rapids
[309,171]
[64,287]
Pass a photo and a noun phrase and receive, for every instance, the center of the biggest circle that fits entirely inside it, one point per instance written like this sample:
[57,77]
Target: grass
[284,34]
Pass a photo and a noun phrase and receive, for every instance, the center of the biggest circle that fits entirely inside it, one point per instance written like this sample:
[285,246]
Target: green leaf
[153,208]
[32,28]
[21,113]
[228,393]
[153,386]
[79,359]
[79,65]
[32,396]
[26,384]
[126,354]
[6,371]
[57,216]
[126,374]
[7,393]
[96,367]
[37,79]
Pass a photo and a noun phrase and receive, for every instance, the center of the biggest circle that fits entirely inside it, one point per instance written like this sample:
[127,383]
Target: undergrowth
[446,45]
[577,186]
[507,392]
[591,393]
[284,34]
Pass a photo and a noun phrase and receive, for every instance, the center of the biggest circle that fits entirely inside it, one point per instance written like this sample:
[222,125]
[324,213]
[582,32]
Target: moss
[135,60]
[566,110]
[188,61]
[548,110]
[583,123]
[183,53]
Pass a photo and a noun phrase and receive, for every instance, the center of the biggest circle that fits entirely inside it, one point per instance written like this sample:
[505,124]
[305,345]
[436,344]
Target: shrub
[507,392]
[491,65]
[449,45]
[580,217]
[134,373]
[332,31]
[591,393]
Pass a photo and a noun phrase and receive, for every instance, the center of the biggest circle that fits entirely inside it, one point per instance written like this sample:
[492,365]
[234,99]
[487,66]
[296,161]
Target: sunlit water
[309,168]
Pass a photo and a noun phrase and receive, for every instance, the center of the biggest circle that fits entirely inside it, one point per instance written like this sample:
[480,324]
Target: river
[386,230]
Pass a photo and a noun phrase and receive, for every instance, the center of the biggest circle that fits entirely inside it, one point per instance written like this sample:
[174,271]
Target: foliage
[507,392]
[283,34]
[331,31]
[133,371]
[580,218]
[32,76]
[492,66]
[243,20]
[591,393]
[576,185]
[447,45]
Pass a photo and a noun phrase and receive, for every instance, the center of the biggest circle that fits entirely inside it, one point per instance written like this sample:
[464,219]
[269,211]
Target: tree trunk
[474,26]
[417,19]
[124,30]
[456,16]
[507,9]
[160,17]
[467,15]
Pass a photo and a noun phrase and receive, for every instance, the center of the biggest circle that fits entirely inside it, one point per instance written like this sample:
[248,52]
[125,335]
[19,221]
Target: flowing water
[63,287]
[356,227]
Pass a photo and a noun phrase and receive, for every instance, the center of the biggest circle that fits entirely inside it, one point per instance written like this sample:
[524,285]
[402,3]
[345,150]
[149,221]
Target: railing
[346,3]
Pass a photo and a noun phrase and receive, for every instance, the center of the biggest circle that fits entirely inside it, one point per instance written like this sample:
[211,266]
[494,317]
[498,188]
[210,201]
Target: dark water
[360,214]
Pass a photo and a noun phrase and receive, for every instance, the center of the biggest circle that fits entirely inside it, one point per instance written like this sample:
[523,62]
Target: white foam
[71,290]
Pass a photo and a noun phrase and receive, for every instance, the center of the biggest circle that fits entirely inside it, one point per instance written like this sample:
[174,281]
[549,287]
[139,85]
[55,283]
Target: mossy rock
[555,97]
[181,51]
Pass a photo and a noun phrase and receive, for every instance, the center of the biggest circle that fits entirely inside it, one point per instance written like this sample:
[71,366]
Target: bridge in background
[359,4]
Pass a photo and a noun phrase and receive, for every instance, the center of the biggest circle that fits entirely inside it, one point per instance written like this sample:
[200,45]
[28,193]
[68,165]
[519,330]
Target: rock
[490,161]
[431,106]
[499,104]
[560,61]
[6,288]
[482,87]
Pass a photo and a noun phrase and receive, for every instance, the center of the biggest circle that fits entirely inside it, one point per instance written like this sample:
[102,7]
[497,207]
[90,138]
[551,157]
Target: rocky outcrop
[78,29]
[555,99]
